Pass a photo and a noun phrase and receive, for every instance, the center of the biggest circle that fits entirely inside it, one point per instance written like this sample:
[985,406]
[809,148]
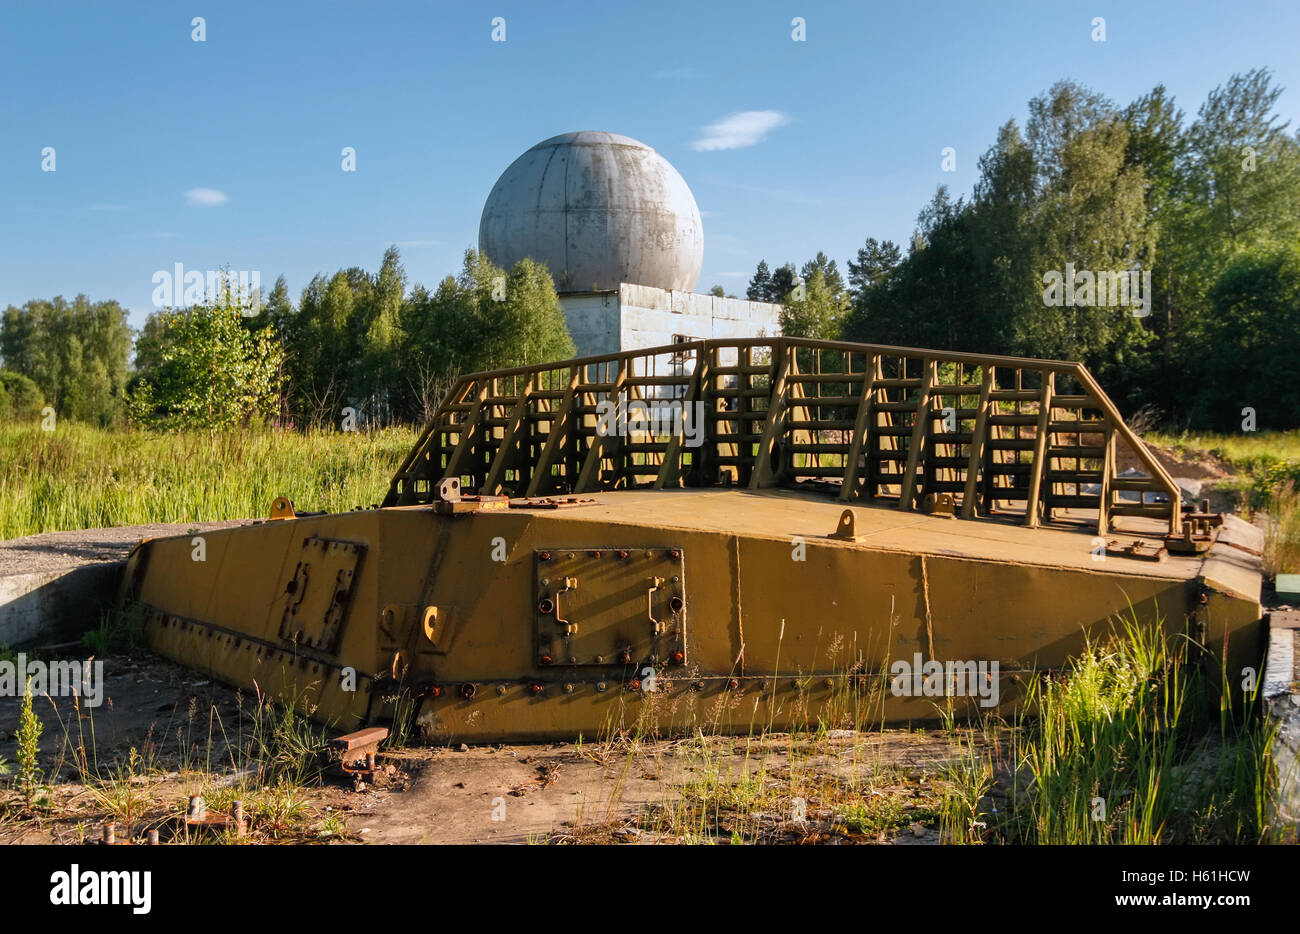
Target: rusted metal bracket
[551,502]
[357,751]
[940,504]
[282,508]
[464,505]
[198,816]
[1139,549]
[1199,533]
[845,529]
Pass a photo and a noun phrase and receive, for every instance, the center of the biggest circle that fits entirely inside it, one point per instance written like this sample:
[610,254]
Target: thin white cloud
[739,130]
[205,197]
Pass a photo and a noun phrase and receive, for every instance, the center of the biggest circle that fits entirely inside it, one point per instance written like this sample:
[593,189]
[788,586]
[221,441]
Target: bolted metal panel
[315,599]
[611,606]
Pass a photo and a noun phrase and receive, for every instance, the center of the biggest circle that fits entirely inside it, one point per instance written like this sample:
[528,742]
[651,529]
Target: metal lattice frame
[873,423]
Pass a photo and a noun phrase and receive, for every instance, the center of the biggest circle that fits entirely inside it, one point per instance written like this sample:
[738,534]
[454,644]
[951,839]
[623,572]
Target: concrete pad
[1282,712]
[55,586]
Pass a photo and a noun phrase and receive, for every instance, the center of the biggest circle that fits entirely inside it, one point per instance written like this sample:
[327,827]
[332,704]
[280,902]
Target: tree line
[1194,223]
[358,345]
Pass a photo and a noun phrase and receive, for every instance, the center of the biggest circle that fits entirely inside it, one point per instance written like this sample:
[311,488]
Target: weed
[30,778]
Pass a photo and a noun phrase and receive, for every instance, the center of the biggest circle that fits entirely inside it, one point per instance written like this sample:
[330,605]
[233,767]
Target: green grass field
[1256,452]
[78,477]
[1269,483]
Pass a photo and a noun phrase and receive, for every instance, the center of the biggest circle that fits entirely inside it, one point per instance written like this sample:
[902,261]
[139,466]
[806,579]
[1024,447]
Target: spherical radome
[597,209]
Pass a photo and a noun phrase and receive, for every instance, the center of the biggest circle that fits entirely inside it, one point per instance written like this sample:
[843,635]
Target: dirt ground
[187,733]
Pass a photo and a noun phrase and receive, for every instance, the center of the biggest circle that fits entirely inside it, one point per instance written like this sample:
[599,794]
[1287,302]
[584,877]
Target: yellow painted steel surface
[779,621]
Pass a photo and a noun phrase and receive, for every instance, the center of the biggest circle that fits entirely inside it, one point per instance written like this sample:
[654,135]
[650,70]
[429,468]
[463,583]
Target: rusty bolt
[634,684]
[545,556]
[733,684]
[622,555]
[595,554]
[535,688]
[501,690]
[677,658]
[829,683]
[675,553]
[435,690]
[546,659]
[625,657]
[568,688]
[468,690]
[698,686]
[601,686]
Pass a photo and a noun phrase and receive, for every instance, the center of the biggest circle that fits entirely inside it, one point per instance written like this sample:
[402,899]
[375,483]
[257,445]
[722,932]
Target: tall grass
[1282,533]
[1239,448]
[1125,747]
[80,477]
[1270,463]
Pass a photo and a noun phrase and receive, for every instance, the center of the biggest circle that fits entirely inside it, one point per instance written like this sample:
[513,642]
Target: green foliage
[203,367]
[30,779]
[775,287]
[20,398]
[1210,210]
[287,746]
[817,314]
[1254,322]
[119,630]
[75,353]
[1282,531]
[875,260]
[830,274]
[362,341]
[1125,748]
[487,319]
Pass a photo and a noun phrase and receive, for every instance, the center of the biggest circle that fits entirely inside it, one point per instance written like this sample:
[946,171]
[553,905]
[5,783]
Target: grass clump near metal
[1124,748]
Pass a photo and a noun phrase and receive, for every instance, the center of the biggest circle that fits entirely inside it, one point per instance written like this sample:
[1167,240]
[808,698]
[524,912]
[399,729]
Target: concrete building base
[635,317]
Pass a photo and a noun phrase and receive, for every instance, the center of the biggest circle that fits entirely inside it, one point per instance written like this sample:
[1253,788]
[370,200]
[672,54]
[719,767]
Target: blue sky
[139,115]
